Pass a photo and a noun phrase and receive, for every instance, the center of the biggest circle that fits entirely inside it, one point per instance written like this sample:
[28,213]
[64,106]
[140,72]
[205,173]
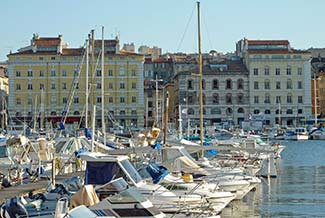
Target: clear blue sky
[163,23]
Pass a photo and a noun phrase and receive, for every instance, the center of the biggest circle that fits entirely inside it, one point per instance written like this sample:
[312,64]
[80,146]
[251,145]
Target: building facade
[47,77]
[279,81]
[225,93]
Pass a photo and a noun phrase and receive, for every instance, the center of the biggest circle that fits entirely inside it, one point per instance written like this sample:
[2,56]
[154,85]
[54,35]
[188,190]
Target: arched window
[267,112]
[18,114]
[228,98]
[240,110]
[289,111]
[215,111]
[256,111]
[53,113]
[278,111]
[228,84]
[76,113]
[215,84]
[215,98]
[190,111]
[122,112]
[240,84]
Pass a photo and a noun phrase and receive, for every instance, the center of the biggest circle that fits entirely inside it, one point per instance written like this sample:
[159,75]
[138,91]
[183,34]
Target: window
[240,110]
[122,100]
[278,99]
[53,86]
[267,112]
[122,113]
[300,100]
[122,85]
[215,111]
[190,84]
[277,71]
[53,73]
[53,100]
[133,72]
[278,85]
[256,111]
[77,85]
[299,111]
[228,84]
[267,84]
[256,100]
[240,84]
[41,58]
[99,100]
[134,85]
[110,99]
[29,101]
[134,112]
[53,113]
[76,100]
[278,111]
[240,98]
[110,72]
[41,86]
[18,87]
[98,72]
[267,71]
[267,99]
[18,101]
[289,111]
[255,70]
[215,84]
[228,98]
[203,84]
[41,73]
[134,99]
[289,99]
[122,71]
[75,72]
[17,73]
[299,71]
[30,73]
[64,86]
[64,73]
[289,84]
[64,100]
[29,86]
[191,111]
[228,111]
[76,113]
[255,85]
[288,71]
[99,85]
[215,98]
[299,85]
[190,100]
[110,85]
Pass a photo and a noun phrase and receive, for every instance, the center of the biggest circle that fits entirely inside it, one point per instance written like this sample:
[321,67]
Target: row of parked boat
[134,177]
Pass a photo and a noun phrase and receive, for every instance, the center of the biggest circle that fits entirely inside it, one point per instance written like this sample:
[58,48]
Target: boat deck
[38,186]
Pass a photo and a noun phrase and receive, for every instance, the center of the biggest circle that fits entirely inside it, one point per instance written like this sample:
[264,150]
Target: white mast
[103,88]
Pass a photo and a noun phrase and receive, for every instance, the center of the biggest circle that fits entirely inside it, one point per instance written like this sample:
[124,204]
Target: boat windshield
[130,195]
[131,171]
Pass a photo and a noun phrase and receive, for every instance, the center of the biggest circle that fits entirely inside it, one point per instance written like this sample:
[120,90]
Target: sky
[169,24]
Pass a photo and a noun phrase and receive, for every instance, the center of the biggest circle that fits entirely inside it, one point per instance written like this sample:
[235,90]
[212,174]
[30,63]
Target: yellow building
[41,78]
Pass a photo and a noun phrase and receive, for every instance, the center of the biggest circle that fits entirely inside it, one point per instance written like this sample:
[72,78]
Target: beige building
[47,79]
[279,81]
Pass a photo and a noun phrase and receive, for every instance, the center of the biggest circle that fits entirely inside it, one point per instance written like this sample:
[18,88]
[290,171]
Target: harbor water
[298,191]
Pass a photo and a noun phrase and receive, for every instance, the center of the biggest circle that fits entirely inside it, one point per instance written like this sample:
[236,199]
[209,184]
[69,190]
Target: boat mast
[103,88]
[200,73]
[87,85]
